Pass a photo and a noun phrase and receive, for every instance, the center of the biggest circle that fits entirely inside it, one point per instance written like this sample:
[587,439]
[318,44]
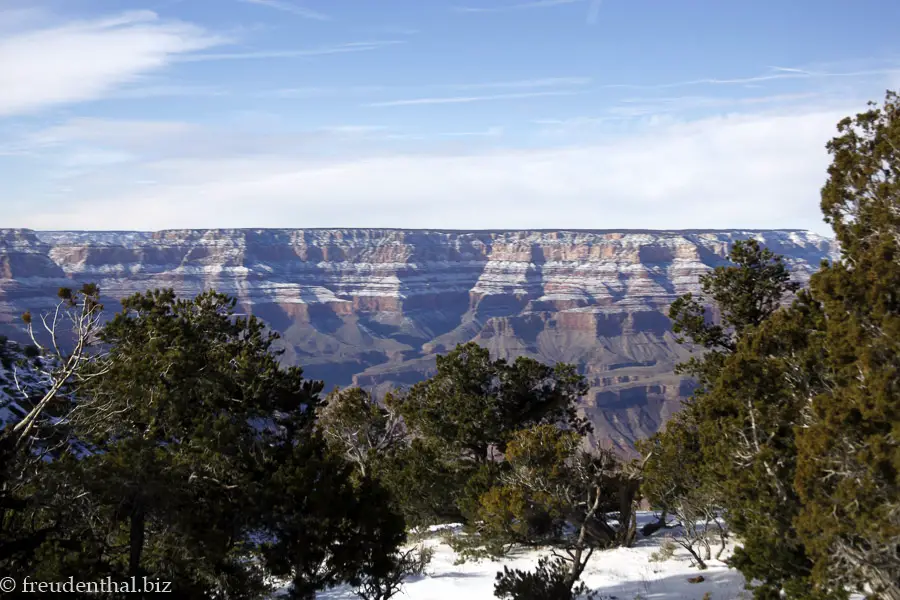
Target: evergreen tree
[359,428]
[474,404]
[462,418]
[323,526]
[192,457]
[759,362]
[553,494]
[849,443]
[549,581]
[676,481]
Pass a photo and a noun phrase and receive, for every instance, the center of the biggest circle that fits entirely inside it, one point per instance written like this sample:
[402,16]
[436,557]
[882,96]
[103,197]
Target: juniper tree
[548,581]
[474,404]
[553,494]
[849,442]
[359,428]
[676,481]
[759,364]
[197,455]
[464,416]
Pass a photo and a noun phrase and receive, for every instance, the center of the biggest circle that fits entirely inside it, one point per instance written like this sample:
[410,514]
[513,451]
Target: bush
[666,551]
[405,564]
[551,580]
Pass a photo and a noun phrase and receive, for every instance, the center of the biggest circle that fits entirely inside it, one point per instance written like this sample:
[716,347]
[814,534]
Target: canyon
[373,307]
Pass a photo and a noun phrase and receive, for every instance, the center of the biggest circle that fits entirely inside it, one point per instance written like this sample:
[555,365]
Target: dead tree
[358,427]
[66,355]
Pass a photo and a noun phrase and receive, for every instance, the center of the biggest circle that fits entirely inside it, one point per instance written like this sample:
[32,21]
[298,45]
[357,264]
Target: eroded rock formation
[373,306]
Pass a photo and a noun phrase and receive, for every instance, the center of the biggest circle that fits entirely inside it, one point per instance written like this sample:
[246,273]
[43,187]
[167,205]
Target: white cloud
[520,6]
[293,9]
[755,171]
[43,67]
[468,99]
[115,133]
[520,83]
[776,73]
[489,132]
[325,50]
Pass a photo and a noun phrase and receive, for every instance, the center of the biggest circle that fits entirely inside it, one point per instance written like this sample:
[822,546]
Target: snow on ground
[617,574]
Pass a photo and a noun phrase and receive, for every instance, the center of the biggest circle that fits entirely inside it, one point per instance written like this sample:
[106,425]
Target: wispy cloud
[293,9]
[357,90]
[519,6]
[319,92]
[354,130]
[469,99]
[521,83]
[634,113]
[325,50]
[573,125]
[85,60]
[594,12]
[489,132]
[779,73]
[169,91]
[637,107]
[123,134]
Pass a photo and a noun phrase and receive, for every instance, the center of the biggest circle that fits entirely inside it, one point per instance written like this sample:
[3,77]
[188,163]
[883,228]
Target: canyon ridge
[373,307]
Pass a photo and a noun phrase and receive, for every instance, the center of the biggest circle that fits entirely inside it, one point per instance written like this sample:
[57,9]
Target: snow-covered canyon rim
[374,307]
[300,266]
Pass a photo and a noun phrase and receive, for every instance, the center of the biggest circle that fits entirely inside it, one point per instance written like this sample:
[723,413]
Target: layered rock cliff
[373,307]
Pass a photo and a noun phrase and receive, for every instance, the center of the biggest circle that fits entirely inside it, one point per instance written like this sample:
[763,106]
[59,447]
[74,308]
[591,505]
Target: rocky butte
[372,307]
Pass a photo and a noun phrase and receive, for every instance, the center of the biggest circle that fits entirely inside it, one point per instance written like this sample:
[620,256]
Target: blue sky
[152,114]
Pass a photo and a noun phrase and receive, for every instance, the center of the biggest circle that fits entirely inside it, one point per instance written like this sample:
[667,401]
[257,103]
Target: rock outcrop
[373,306]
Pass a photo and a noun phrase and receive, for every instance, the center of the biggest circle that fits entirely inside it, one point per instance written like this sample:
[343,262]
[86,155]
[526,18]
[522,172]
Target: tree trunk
[136,542]
[575,570]
[627,530]
[723,539]
[700,564]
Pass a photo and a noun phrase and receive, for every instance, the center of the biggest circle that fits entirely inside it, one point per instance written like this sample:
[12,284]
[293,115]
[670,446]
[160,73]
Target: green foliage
[551,493]
[424,482]
[365,432]
[744,294]
[461,420]
[193,457]
[388,583]
[474,404]
[675,480]
[796,422]
[733,445]
[849,444]
[549,581]
[324,528]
